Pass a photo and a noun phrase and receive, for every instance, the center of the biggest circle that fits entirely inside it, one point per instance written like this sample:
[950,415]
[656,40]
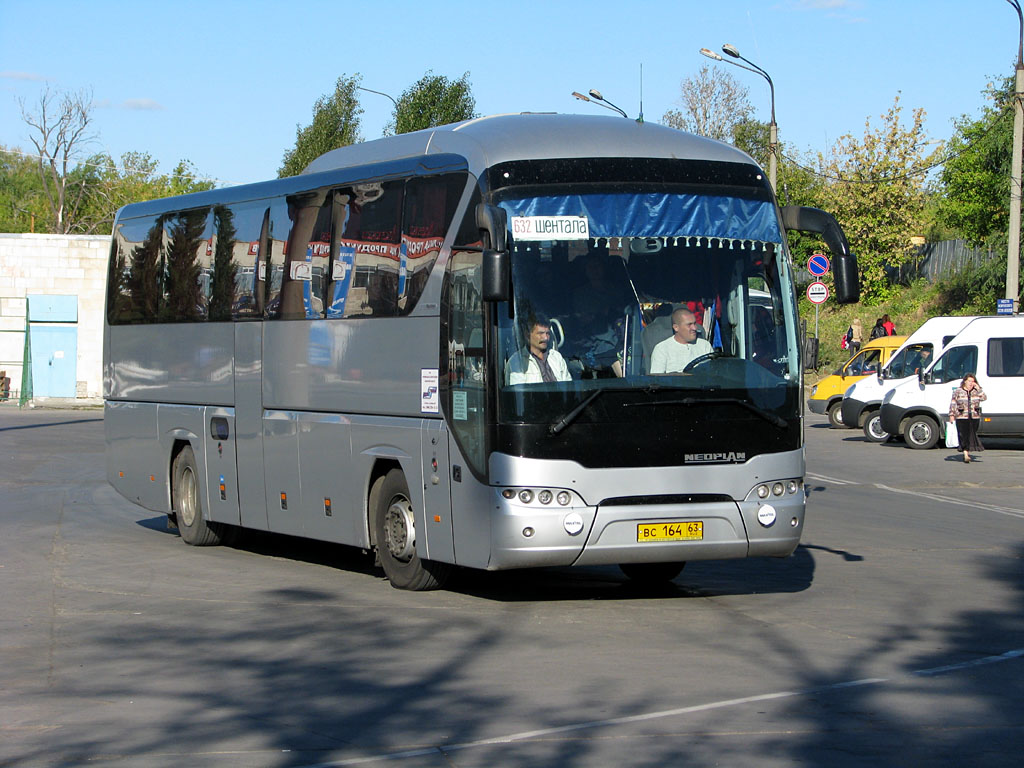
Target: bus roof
[483,142]
[487,141]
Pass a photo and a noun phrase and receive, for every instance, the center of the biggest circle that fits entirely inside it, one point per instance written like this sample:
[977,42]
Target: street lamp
[601,101]
[379,93]
[1013,244]
[773,128]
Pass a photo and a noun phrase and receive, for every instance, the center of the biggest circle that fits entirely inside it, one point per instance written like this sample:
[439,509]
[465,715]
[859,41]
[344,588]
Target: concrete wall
[70,265]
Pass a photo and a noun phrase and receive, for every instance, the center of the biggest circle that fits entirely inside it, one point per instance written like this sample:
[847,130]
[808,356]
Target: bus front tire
[395,537]
[188,509]
[651,573]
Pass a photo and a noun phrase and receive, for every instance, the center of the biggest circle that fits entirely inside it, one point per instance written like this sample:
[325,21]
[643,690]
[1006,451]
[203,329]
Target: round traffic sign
[818,264]
[817,292]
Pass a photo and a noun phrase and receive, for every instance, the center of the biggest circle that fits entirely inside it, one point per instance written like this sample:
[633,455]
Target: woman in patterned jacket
[965,409]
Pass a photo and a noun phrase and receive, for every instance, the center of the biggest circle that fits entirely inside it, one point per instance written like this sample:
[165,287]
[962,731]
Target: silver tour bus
[443,346]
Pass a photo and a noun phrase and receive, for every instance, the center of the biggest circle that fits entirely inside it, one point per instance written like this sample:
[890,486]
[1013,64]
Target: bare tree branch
[713,102]
[60,124]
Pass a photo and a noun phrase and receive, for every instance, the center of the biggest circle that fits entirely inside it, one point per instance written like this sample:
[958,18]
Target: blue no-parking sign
[818,264]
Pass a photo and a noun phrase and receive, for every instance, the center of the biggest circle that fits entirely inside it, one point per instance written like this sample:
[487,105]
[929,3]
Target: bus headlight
[545,496]
[763,491]
[563,498]
[526,495]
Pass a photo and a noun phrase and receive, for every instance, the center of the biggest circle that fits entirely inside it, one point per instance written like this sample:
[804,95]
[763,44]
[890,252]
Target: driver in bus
[538,362]
[674,353]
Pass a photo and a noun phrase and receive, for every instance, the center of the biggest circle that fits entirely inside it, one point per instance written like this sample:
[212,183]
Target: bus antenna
[641,118]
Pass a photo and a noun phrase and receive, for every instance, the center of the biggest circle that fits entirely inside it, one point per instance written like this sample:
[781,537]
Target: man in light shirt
[538,362]
[674,353]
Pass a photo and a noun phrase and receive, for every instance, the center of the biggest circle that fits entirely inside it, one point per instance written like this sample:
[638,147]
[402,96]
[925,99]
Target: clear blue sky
[224,83]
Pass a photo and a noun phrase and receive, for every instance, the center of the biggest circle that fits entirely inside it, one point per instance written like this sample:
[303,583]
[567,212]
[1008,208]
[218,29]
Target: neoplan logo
[732,457]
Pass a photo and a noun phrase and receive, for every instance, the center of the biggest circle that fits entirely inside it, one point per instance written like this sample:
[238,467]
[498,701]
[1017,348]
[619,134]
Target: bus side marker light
[284,500]
[223,490]
[327,506]
[120,474]
[152,479]
[437,518]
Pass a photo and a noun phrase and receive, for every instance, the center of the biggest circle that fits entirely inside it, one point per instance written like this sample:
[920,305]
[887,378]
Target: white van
[992,348]
[862,401]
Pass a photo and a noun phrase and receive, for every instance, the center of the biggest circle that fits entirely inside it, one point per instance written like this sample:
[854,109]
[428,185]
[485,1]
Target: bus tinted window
[430,204]
[187,266]
[301,266]
[134,294]
[371,230]
[1005,357]
[240,232]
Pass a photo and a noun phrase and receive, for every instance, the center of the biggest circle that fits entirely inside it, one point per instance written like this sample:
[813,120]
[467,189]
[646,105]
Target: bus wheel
[188,509]
[651,573]
[873,428]
[921,432]
[395,534]
[835,415]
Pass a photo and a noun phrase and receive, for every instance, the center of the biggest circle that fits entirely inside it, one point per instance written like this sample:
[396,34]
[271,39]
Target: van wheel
[921,432]
[395,534]
[873,428]
[835,415]
[651,573]
[188,507]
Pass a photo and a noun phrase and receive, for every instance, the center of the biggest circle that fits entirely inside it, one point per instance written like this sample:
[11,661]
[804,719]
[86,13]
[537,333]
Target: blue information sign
[1004,306]
[818,265]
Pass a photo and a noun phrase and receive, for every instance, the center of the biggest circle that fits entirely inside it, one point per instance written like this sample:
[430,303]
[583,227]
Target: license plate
[689,530]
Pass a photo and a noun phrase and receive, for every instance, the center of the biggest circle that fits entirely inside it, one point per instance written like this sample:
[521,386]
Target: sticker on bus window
[429,399]
[550,228]
[460,411]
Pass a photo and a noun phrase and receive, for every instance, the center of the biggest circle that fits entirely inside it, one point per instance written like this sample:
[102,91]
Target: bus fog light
[762,491]
[766,515]
[573,523]
[528,532]
[526,496]
[794,523]
[778,489]
[544,497]
[563,498]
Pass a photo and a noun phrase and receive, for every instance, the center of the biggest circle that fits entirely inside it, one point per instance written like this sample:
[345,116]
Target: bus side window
[372,229]
[430,204]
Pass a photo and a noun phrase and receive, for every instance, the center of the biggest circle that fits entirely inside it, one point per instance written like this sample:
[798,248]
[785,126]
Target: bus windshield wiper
[778,421]
[557,426]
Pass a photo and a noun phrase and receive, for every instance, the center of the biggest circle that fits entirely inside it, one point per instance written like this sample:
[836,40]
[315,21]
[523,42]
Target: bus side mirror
[844,263]
[492,222]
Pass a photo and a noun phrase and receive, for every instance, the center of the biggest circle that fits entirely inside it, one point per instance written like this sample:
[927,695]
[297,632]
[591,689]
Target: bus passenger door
[252,500]
[437,502]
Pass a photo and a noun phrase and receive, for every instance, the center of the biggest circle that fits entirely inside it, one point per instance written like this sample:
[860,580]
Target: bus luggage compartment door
[665,532]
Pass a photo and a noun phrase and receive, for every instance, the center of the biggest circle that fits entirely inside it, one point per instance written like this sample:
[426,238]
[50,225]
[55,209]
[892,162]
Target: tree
[876,191]
[60,131]
[22,200]
[432,100]
[335,124]
[713,102]
[975,181]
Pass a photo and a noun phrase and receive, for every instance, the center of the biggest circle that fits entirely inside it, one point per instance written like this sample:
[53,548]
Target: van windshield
[908,361]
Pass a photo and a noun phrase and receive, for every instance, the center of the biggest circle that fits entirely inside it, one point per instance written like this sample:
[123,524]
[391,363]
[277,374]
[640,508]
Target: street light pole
[379,93]
[1013,244]
[773,128]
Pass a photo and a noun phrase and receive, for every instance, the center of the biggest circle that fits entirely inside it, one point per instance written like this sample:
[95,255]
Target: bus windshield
[647,290]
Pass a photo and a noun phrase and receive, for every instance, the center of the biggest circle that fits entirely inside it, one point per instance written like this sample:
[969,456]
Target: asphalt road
[894,635]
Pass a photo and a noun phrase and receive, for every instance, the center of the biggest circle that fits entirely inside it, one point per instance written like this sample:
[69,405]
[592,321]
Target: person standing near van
[889,325]
[965,409]
[878,331]
[857,337]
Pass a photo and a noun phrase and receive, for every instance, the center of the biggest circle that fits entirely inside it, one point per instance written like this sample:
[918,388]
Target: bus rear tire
[395,537]
[651,573]
[188,508]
